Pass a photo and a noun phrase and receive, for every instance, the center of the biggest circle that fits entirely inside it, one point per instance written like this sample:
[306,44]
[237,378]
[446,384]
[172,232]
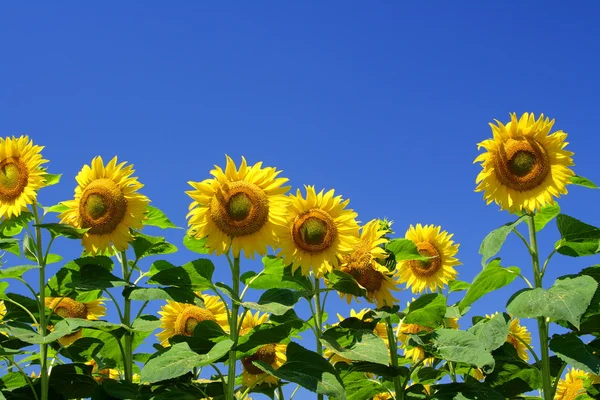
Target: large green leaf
[590,321]
[275,301]
[360,387]
[511,375]
[83,350]
[573,351]
[465,391]
[577,238]
[356,345]
[196,245]
[145,246]
[345,283]
[278,275]
[491,278]
[266,333]
[51,179]
[65,230]
[180,295]
[428,310]
[13,226]
[461,346]
[180,359]
[309,370]
[404,250]
[581,181]
[545,215]
[156,217]
[566,300]
[458,286]
[16,272]
[72,380]
[92,277]
[196,274]
[492,332]
[493,242]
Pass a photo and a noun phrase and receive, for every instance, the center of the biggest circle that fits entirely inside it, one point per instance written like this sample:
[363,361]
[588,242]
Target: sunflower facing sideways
[574,384]
[181,318]
[317,232]
[517,334]
[238,208]
[20,174]
[66,307]
[363,264]
[436,271]
[106,202]
[524,166]
[273,354]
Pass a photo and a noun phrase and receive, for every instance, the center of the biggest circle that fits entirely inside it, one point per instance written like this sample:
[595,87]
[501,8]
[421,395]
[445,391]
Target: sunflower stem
[542,324]
[393,343]
[279,392]
[558,376]
[233,326]
[318,315]
[42,304]
[128,361]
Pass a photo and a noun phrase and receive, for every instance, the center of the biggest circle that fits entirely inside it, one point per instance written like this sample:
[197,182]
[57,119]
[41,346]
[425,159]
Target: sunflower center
[102,206]
[14,176]
[314,231]
[425,268]
[265,354]
[359,266]
[189,318]
[69,308]
[521,164]
[240,208]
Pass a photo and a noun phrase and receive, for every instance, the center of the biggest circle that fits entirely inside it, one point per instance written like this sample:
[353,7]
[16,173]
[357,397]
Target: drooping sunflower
[182,318]
[515,332]
[574,384]
[436,271]
[238,208]
[106,202]
[20,174]
[380,330]
[363,264]
[68,308]
[317,232]
[524,167]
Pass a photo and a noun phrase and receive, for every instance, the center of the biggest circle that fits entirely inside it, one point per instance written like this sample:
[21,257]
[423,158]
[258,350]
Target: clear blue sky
[383,101]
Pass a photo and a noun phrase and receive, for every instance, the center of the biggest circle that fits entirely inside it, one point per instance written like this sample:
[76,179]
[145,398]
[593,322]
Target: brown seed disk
[426,267]
[69,308]
[190,317]
[265,354]
[14,176]
[359,266]
[314,231]
[521,164]
[102,206]
[240,208]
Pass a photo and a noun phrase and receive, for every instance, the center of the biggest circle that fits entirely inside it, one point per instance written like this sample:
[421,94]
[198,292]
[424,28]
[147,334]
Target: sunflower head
[574,384]
[107,203]
[524,166]
[20,174]
[238,208]
[317,231]
[416,353]
[252,321]
[66,307]
[518,336]
[272,354]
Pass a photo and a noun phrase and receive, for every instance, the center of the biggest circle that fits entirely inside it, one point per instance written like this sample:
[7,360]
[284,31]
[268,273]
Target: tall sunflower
[317,231]
[524,167]
[364,265]
[20,174]
[435,272]
[107,202]
[181,318]
[517,334]
[238,208]
[66,307]
[574,384]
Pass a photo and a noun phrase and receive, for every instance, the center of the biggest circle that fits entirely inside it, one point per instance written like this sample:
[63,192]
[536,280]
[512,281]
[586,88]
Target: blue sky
[383,101]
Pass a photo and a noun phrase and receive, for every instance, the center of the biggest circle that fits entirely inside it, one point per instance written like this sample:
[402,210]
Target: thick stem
[542,324]
[233,326]
[128,361]
[318,321]
[393,343]
[41,257]
[279,392]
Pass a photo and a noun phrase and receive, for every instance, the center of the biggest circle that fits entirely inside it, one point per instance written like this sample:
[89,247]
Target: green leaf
[266,333]
[428,310]
[566,300]
[428,375]
[461,346]
[458,286]
[13,226]
[57,208]
[577,238]
[573,351]
[581,181]
[51,179]
[275,301]
[29,249]
[158,218]
[493,242]
[120,389]
[545,215]
[13,380]
[511,375]
[278,275]
[65,230]
[196,274]
[92,277]
[159,265]
[491,278]
[492,332]
[180,359]
[590,321]
[11,245]
[145,323]
[309,370]
[180,295]
[72,380]
[360,387]
[145,246]
[83,349]
[53,258]
[16,272]
[404,250]
[356,345]
[466,391]
[345,283]
[196,245]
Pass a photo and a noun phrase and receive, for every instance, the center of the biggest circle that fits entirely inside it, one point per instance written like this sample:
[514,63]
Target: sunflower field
[85,332]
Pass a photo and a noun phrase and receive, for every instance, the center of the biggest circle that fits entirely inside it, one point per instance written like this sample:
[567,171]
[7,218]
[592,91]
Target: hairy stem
[393,343]
[233,326]
[128,361]
[318,315]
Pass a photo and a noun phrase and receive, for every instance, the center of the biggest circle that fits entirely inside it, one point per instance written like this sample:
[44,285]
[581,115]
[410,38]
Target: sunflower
[515,332]
[364,265]
[317,231]
[574,384]
[251,321]
[181,318]
[435,272]
[105,373]
[66,307]
[524,167]
[108,204]
[384,396]
[238,208]
[380,330]
[2,309]
[20,174]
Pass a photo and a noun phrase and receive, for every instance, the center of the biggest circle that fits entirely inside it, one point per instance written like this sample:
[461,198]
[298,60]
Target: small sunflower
[435,272]
[515,332]
[20,174]
[238,208]
[66,307]
[380,330]
[181,318]
[384,396]
[524,167]
[2,309]
[105,373]
[251,321]
[317,231]
[364,265]
[108,204]
[574,384]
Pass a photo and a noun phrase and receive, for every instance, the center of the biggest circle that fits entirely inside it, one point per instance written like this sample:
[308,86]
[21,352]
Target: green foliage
[155,217]
[275,301]
[573,351]
[493,242]
[428,310]
[277,275]
[577,238]
[545,215]
[462,347]
[492,332]
[511,375]
[404,250]
[581,181]
[356,345]
[491,278]
[195,274]
[145,246]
